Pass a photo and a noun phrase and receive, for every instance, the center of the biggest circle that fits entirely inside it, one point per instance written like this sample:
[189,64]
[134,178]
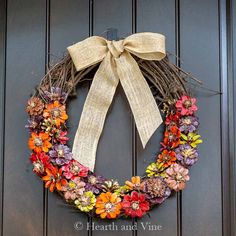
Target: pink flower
[176,177]
[73,189]
[61,137]
[73,169]
[186,105]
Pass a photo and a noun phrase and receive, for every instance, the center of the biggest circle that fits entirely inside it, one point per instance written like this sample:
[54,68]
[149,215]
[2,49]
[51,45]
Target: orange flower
[172,137]
[134,184]
[167,158]
[108,205]
[56,113]
[54,179]
[39,142]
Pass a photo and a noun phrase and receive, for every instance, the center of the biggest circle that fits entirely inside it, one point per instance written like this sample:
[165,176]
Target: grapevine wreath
[93,194]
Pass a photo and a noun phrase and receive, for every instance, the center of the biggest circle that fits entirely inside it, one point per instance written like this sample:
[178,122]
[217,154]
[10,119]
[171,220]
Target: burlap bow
[117,64]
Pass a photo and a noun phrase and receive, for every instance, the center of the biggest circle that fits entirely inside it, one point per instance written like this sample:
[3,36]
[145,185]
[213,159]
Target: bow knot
[123,69]
[115,47]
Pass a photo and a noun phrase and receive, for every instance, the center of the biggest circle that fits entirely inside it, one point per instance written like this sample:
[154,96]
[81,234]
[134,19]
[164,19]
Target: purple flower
[186,154]
[188,124]
[34,123]
[55,94]
[155,189]
[94,183]
[60,154]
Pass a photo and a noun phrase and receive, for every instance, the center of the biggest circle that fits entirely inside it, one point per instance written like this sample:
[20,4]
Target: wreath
[79,186]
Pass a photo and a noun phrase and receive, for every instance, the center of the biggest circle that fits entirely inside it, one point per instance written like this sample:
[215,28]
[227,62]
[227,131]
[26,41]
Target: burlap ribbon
[117,64]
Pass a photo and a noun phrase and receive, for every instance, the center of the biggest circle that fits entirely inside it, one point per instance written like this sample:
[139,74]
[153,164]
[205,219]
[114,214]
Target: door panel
[163,14]
[23,192]
[64,31]
[114,154]
[198,54]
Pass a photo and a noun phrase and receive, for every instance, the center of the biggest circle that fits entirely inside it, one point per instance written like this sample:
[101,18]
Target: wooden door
[34,32]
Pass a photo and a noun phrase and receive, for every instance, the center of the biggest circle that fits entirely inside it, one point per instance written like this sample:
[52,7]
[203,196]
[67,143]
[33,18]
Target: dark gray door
[195,31]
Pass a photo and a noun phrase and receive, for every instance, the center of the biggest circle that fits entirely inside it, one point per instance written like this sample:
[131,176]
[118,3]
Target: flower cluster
[53,161]
[178,152]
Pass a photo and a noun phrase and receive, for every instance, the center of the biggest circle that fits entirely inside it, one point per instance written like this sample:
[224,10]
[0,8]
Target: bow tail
[95,108]
[145,110]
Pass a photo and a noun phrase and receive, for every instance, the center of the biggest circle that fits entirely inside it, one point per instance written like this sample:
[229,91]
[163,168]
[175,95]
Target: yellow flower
[192,139]
[121,191]
[155,169]
[86,202]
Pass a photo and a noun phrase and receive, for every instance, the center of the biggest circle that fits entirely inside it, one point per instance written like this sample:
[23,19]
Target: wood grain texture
[69,23]
[23,192]
[157,16]
[199,30]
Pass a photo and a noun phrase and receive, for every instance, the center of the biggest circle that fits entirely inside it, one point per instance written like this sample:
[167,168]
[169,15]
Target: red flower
[172,119]
[135,205]
[172,137]
[40,162]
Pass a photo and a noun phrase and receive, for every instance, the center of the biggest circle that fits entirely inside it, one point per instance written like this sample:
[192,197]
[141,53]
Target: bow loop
[148,46]
[88,52]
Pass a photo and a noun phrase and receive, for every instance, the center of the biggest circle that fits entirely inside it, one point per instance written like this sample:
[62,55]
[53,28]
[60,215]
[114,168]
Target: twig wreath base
[95,195]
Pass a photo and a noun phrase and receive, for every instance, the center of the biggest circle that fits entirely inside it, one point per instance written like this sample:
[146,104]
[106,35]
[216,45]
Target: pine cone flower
[172,119]
[135,204]
[121,191]
[39,142]
[60,154]
[74,169]
[40,162]
[108,205]
[94,183]
[186,155]
[55,94]
[134,184]
[54,179]
[172,137]
[155,169]
[86,202]
[74,189]
[186,105]
[34,124]
[167,158]
[156,189]
[192,139]
[56,113]
[35,106]
[110,186]
[177,176]
[60,136]
[188,124]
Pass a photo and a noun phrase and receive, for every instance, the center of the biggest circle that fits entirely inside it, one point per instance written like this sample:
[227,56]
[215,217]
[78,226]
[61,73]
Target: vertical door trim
[47,59]
[227,125]
[3,42]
